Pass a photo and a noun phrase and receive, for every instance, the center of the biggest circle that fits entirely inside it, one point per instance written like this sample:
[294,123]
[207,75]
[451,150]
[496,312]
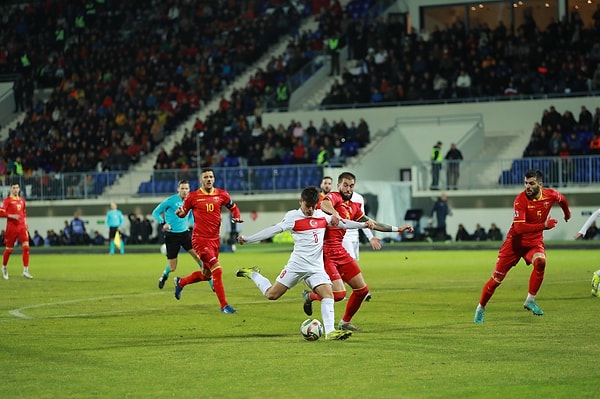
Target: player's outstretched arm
[261,235]
[386,227]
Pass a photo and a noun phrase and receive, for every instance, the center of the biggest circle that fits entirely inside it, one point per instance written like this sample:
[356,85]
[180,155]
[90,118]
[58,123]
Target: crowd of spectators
[389,65]
[563,135]
[105,114]
[124,76]
[327,143]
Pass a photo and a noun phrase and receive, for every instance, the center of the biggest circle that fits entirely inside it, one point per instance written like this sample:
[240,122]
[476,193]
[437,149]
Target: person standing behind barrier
[441,210]
[453,158]
[333,45]
[436,165]
[114,222]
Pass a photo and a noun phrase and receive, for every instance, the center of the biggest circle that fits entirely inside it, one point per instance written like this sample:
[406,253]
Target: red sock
[354,302]
[192,278]
[537,275]
[25,255]
[337,296]
[6,256]
[217,277]
[488,290]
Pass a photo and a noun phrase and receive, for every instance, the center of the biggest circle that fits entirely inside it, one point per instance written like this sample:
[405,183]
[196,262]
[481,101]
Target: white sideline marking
[18,312]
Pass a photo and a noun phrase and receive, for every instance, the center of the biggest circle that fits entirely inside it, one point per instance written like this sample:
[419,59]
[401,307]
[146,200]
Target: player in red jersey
[205,204]
[525,239]
[339,264]
[13,209]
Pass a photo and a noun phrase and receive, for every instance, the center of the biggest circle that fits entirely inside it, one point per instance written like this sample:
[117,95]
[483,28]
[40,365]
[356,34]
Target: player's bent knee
[339,295]
[539,264]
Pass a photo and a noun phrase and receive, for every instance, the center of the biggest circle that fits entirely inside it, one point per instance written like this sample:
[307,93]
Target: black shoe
[161,281]
[307,303]
[368,297]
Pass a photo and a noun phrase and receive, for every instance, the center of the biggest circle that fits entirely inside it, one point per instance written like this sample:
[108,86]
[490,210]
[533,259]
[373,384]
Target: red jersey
[206,208]
[347,210]
[534,211]
[14,206]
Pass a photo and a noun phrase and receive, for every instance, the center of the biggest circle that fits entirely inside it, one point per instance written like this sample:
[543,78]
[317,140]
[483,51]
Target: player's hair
[182,181]
[346,175]
[327,177]
[204,170]
[310,195]
[15,183]
[534,173]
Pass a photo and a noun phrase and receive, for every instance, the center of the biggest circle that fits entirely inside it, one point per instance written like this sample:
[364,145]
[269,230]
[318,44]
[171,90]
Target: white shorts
[290,278]
[351,247]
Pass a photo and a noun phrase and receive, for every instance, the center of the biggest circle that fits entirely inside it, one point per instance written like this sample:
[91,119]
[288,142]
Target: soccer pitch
[97,326]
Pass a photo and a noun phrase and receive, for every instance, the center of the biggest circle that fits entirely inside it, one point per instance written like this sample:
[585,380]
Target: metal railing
[572,171]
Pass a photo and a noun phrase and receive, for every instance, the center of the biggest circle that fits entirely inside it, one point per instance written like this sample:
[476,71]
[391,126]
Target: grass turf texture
[96,326]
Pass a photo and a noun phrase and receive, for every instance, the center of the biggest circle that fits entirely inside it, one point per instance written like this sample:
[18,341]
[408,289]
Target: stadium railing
[571,171]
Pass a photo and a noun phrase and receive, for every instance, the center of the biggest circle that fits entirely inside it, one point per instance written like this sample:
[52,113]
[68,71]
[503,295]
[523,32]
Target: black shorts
[112,231]
[174,241]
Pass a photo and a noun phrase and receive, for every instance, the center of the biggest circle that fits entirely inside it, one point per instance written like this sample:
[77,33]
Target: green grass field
[96,326]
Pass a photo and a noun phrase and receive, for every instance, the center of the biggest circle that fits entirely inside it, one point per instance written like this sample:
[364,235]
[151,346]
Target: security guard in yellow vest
[436,165]
[333,45]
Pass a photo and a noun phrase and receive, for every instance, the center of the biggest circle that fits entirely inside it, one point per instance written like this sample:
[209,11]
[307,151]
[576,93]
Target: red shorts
[207,250]
[510,254]
[340,265]
[11,236]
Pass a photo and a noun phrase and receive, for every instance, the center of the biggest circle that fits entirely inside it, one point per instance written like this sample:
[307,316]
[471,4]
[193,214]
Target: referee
[176,230]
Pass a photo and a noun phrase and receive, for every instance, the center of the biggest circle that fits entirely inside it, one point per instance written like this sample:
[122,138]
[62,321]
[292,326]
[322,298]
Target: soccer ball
[163,249]
[311,329]
[596,283]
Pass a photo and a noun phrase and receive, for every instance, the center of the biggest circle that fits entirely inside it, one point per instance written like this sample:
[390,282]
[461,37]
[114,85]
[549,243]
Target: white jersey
[308,233]
[351,240]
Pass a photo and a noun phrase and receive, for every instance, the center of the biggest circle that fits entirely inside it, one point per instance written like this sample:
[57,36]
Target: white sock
[261,282]
[25,269]
[328,314]
[479,307]
[4,269]
[530,298]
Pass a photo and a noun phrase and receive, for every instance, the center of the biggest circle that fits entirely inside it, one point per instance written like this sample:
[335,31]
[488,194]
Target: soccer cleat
[307,302]
[535,309]
[245,272]
[178,289]
[368,297]
[210,282]
[338,335]
[347,326]
[27,275]
[5,274]
[479,316]
[227,309]
[161,281]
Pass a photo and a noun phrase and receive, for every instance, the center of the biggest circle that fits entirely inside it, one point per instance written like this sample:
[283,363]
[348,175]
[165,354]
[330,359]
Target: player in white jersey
[351,241]
[307,226]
